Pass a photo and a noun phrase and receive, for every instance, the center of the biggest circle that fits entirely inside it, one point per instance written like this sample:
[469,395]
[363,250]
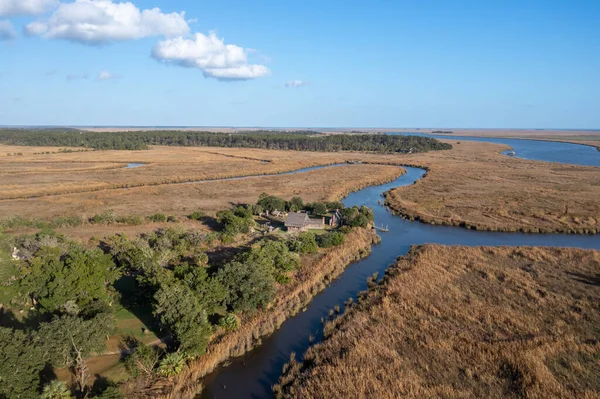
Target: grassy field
[475,186]
[471,185]
[460,322]
[150,188]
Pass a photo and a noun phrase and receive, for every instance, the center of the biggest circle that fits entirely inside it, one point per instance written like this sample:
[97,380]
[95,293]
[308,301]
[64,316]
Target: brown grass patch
[475,186]
[471,185]
[465,323]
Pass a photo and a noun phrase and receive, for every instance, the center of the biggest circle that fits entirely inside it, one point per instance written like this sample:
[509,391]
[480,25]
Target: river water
[253,374]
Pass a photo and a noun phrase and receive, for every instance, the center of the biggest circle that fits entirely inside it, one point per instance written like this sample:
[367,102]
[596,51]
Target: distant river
[535,150]
[253,374]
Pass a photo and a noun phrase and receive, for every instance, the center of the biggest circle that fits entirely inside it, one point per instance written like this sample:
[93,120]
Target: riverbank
[479,188]
[309,280]
[464,322]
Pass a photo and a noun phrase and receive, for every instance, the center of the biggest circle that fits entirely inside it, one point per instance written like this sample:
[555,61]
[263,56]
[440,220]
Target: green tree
[319,208]
[172,364]
[8,270]
[295,204]
[142,360]
[273,255]
[179,309]
[210,292]
[22,359]
[271,203]
[56,390]
[355,217]
[249,285]
[70,340]
[70,283]
[235,222]
[331,239]
[305,243]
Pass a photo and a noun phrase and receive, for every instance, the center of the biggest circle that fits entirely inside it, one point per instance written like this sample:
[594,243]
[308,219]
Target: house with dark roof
[335,218]
[301,222]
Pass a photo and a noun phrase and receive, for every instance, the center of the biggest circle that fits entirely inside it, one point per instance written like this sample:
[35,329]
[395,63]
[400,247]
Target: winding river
[253,374]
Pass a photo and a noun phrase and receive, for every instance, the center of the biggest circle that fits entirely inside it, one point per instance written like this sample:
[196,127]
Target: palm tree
[56,390]
[172,364]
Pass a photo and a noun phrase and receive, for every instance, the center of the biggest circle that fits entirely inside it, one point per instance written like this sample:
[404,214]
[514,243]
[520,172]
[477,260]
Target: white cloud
[294,83]
[13,8]
[105,75]
[104,21]
[7,31]
[210,55]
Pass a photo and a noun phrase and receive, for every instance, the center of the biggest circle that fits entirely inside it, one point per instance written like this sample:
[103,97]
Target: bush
[305,243]
[67,221]
[229,322]
[196,215]
[133,220]
[142,361]
[172,364]
[172,219]
[108,217]
[332,239]
[56,390]
[158,218]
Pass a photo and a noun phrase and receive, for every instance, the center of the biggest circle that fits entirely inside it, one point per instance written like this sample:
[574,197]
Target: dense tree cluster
[280,140]
[70,292]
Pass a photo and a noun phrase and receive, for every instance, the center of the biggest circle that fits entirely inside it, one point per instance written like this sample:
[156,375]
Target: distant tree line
[279,140]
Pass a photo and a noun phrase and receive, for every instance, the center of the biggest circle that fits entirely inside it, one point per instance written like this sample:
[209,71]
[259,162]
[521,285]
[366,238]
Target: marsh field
[464,323]
[471,185]
[148,198]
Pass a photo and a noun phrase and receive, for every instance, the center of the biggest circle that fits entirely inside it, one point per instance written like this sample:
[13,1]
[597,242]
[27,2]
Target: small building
[335,218]
[301,222]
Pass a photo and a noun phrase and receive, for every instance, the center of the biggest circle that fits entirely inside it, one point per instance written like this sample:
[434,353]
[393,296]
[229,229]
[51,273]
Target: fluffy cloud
[210,55]
[26,7]
[105,75]
[103,21]
[7,32]
[294,83]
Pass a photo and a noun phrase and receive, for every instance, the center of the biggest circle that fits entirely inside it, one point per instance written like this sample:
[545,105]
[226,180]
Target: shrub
[332,239]
[305,243]
[229,322]
[67,221]
[158,218]
[56,390]
[196,215]
[108,217]
[172,364]
[133,220]
[142,361]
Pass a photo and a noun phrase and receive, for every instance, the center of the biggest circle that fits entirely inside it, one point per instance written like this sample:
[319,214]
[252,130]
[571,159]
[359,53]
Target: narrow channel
[253,374]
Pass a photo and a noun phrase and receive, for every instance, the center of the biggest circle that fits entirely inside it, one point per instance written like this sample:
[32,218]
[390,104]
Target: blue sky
[392,63]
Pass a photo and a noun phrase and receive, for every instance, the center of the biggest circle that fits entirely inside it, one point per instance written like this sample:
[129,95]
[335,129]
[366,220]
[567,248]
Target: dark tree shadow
[135,299]
[585,279]
[47,375]
[211,223]
[10,320]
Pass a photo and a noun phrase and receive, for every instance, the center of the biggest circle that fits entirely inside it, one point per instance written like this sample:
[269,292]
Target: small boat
[511,153]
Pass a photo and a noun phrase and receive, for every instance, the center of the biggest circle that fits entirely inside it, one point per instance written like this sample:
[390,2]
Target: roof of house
[296,219]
